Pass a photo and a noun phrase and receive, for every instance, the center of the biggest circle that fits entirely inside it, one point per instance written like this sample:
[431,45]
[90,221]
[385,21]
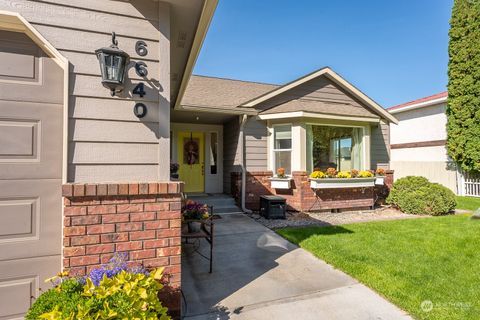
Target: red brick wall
[300,197]
[141,219]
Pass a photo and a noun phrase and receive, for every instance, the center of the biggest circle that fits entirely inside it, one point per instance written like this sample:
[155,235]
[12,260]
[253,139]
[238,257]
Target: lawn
[407,261]
[468,203]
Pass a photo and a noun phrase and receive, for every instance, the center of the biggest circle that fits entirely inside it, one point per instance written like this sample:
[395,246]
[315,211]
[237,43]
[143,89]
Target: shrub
[121,293]
[317,175]
[344,174]
[416,195]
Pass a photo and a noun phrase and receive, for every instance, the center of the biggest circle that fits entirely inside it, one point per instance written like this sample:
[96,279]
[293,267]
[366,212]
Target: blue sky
[394,51]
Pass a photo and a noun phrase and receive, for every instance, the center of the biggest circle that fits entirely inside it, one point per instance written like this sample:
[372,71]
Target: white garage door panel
[45,237]
[19,282]
[31,142]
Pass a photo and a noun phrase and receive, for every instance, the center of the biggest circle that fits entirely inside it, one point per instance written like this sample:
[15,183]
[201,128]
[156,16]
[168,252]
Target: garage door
[31,113]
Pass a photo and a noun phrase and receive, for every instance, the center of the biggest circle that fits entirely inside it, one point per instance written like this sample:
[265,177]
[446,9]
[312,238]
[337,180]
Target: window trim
[273,150]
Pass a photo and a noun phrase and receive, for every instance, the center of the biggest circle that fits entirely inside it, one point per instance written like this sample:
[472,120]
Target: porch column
[299,146]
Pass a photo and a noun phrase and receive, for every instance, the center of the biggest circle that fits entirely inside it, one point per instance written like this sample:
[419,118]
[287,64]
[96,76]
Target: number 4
[139,89]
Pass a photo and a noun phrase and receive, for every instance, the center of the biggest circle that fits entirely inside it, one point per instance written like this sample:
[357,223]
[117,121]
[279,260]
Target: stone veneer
[141,219]
[300,197]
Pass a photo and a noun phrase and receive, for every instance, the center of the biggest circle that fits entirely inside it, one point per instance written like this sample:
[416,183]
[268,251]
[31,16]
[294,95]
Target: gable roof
[419,103]
[221,93]
[330,74]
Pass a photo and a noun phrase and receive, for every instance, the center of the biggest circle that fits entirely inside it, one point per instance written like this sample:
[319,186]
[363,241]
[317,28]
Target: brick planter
[141,219]
[301,197]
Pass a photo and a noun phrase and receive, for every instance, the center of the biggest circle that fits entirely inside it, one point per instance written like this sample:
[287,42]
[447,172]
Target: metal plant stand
[205,232]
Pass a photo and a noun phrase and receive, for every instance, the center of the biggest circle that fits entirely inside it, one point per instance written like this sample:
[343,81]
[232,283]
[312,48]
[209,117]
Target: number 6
[141,48]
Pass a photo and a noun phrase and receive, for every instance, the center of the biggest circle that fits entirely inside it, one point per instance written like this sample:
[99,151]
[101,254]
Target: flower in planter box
[331,172]
[281,172]
[354,173]
[317,175]
[365,174]
[344,174]
[380,172]
[195,211]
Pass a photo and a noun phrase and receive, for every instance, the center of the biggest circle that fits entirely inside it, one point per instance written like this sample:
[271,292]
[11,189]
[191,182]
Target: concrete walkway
[259,275]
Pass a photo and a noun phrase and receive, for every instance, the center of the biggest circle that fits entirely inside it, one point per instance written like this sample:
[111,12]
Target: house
[418,141]
[85,170]
[63,133]
[249,130]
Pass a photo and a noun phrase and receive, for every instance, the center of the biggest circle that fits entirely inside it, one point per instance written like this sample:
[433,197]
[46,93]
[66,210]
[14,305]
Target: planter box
[380,180]
[280,183]
[331,183]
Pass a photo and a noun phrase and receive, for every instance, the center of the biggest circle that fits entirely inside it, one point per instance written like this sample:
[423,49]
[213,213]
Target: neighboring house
[59,126]
[252,129]
[418,141]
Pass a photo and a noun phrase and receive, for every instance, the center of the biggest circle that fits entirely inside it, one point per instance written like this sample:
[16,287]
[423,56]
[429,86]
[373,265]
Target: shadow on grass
[297,235]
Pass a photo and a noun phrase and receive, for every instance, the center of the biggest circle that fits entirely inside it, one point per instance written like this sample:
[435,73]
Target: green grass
[407,261]
[468,203]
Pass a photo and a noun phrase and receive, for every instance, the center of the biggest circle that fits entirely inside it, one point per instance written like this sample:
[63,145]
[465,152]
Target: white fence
[469,184]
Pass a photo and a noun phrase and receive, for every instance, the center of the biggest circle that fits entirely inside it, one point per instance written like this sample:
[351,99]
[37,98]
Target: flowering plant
[112,291]
[317,175]
[365,174]
[354,173]
[344,174]
[380,172]
[281,172]
[331,172]
[195,211]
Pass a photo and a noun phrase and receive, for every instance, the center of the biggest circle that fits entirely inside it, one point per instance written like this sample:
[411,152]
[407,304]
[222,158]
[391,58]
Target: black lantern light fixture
[113,65]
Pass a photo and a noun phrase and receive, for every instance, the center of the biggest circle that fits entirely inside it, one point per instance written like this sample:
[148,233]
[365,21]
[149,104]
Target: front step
[222,203]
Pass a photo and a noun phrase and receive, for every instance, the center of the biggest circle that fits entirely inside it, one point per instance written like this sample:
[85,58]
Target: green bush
[416,195]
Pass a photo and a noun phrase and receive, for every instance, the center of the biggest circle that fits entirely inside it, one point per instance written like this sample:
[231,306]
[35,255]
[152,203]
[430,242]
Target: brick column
[141,219]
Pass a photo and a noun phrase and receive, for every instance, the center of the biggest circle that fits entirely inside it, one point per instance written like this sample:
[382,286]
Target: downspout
[241,138]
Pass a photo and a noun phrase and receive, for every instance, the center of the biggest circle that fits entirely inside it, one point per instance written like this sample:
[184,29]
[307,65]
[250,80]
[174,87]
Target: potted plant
[343,179]
[174,170]
[193,213]
[380,176]
[281,180]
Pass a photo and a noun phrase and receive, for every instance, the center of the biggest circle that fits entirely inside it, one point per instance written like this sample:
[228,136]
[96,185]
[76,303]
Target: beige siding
[106,141]
[320,89]
[231,154]
[380,145]
[435,171]
[256,145]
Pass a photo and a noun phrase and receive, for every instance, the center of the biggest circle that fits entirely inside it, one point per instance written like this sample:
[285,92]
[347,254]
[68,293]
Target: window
[282,148]
[334,147]
[213,152]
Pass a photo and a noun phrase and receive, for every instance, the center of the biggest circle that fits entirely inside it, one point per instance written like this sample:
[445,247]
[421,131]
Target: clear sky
[393,50]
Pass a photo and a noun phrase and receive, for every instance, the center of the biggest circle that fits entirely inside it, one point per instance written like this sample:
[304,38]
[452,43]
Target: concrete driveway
[259,275]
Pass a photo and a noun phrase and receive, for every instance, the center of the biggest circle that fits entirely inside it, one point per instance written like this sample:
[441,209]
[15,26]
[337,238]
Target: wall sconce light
[113,63]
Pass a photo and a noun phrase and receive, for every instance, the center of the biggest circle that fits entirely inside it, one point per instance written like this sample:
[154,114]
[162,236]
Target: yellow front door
[191,158]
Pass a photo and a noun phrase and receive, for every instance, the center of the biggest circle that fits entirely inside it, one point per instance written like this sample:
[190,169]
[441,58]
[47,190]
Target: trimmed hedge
[416,195]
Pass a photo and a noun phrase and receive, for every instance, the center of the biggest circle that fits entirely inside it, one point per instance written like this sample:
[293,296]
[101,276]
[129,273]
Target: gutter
[241,138]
